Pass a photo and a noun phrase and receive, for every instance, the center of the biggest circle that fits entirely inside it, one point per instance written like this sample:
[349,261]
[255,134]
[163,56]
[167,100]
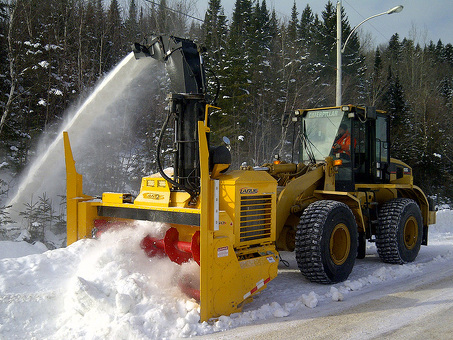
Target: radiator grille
[256,217]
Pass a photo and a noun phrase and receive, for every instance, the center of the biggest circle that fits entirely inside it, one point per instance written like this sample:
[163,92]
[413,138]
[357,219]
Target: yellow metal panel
[155,183]
[87,213]
[206,235]
[235,282]
[153,198]
[74,193]
[217,169]
[249,198]
[225,282]
[180,199]
[112,197]
[71,221]
[154,191]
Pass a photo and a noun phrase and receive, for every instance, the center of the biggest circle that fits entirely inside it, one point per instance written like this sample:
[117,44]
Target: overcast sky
[421,20]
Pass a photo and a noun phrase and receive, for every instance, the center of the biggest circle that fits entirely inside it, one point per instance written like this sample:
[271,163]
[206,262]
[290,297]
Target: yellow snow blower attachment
[224,221]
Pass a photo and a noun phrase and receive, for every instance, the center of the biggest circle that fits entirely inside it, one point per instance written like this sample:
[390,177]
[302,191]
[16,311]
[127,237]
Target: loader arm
[296,195]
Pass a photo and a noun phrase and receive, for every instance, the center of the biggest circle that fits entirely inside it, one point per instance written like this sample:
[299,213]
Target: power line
[368,22]
[174,10]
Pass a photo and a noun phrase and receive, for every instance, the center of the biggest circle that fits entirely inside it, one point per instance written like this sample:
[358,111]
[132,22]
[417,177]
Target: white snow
[10,249]
[44,64]
[49,47]
[56,92]
[109,289]
[35,45]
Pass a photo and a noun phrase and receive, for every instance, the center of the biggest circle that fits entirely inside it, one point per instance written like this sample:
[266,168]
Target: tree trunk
[12,71]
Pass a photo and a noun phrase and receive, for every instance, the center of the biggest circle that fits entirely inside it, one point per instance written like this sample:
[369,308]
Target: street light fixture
[341,50]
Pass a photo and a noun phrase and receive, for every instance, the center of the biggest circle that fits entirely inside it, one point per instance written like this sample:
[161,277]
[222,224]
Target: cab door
[382,149]
[371,155]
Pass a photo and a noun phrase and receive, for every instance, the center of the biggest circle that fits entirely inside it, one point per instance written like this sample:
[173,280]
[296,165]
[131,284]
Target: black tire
[400,231]
[326,242]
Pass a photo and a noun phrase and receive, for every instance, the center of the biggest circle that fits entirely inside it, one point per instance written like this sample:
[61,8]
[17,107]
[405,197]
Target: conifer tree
[214,33]
[131,24]
[306,29]
[293,24]
[163,15]
[115,43]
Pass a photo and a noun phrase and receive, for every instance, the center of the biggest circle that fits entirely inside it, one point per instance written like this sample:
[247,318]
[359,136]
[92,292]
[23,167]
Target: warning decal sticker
[222,251]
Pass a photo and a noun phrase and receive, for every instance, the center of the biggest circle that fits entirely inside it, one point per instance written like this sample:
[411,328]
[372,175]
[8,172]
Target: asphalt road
[421,308]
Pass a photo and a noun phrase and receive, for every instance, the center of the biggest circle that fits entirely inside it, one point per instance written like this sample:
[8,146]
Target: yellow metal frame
[74,195]
[228,279]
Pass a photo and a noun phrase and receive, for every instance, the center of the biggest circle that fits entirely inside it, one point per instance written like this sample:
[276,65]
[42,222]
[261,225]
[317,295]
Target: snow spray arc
[46,172]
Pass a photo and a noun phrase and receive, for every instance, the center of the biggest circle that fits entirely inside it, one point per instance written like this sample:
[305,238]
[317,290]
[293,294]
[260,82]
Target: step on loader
[344,190]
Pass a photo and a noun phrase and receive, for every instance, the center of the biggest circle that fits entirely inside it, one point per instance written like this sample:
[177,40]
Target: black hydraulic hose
[308,145]
[159,164]
[286,263]
[214,102]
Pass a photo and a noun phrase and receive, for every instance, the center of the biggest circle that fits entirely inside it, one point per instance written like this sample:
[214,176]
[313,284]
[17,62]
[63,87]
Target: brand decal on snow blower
[248,191]
[154,196]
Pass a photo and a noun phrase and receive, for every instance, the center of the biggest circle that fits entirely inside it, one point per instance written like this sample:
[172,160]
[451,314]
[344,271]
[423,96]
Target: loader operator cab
[357,137]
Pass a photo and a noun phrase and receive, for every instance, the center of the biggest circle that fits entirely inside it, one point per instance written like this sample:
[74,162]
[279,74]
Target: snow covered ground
[109,289]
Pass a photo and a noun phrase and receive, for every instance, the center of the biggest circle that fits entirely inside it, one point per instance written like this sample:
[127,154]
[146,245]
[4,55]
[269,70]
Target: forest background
[52,53]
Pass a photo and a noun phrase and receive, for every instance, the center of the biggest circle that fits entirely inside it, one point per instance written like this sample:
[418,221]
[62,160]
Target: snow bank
[10,249]
[443,226]
[96,289]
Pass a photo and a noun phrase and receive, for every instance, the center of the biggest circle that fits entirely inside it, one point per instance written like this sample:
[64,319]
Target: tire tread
[309,233]
[387,231]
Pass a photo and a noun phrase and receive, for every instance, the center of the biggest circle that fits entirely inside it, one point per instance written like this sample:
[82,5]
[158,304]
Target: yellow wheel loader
[324,207]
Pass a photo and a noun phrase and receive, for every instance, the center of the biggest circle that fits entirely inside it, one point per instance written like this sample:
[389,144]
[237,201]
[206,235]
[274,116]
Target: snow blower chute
[223,221]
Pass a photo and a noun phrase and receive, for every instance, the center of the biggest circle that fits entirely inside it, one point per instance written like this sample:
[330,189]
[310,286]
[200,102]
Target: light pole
[340,50]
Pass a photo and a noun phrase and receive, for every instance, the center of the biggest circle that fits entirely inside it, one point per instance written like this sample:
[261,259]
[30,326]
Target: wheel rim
[410,232]
[340,244]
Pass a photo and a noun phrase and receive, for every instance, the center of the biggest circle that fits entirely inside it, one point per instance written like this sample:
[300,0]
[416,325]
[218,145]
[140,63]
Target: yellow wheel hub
[340,244]
[410,232]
